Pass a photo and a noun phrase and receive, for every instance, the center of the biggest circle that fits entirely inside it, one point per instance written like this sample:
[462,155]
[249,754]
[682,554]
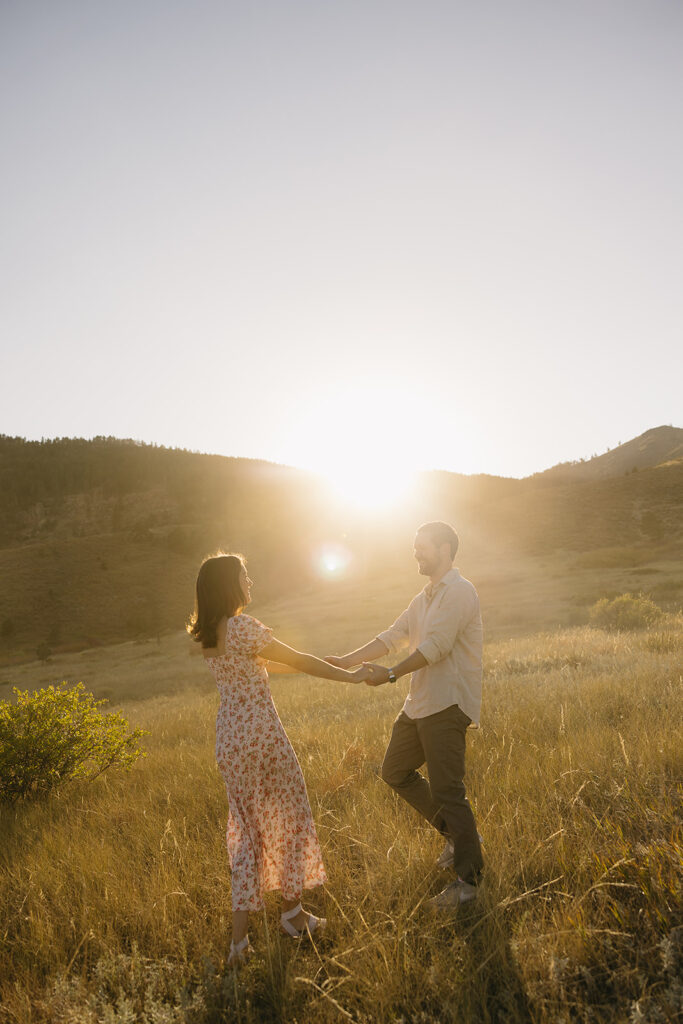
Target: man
[442,628]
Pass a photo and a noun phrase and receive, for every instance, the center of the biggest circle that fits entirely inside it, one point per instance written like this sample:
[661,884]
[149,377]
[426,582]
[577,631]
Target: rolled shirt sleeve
[443,623]
[398,635]
[454,612]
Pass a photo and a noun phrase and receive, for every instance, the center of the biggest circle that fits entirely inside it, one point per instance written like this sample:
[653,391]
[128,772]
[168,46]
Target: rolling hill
[100,540]
[656,447]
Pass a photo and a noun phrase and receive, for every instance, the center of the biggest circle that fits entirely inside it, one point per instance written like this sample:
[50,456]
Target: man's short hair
[441,533]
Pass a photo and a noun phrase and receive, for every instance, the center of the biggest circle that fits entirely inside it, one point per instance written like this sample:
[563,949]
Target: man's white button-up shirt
[443,622]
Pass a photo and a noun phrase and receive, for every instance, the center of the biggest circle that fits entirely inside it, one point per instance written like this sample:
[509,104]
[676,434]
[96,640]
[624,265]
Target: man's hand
[338,661]
[362,674]
[377,674]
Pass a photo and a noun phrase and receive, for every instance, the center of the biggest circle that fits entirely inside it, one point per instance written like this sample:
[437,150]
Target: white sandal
[239,952]
[312,924]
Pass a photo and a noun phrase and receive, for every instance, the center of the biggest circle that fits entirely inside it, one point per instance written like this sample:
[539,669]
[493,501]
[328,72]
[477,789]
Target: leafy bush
[628,611]
[51,736]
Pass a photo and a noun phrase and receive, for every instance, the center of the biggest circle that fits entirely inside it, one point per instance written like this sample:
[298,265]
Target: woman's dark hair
[218,594]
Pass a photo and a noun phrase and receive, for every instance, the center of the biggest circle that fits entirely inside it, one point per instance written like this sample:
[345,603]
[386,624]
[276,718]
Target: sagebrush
[627,611]
[58,734]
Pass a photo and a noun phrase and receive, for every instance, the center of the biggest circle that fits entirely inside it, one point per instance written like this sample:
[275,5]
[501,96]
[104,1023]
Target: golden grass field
[115,897]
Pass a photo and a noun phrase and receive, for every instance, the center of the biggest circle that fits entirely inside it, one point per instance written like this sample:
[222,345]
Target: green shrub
[54,735]
[628,611]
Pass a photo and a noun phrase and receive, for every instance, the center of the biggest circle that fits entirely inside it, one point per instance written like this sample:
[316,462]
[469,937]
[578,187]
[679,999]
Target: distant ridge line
[656,447]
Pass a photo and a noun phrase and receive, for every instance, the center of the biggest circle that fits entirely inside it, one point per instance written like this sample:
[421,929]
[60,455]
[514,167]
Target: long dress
[272,842]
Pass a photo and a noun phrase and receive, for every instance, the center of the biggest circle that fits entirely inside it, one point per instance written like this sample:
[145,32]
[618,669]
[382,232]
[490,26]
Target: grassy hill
[655,447]
[115,896]
[101,539]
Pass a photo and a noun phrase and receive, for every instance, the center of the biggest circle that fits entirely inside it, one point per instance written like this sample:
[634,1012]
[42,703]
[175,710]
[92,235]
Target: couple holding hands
[271,837]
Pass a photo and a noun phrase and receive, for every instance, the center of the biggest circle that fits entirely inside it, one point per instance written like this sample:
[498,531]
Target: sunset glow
[371,487]
[384,299]
[367,450]
[319,235]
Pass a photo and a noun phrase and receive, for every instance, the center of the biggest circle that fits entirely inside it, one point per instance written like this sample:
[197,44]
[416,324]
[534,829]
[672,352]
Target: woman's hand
[300,662]
[339,661]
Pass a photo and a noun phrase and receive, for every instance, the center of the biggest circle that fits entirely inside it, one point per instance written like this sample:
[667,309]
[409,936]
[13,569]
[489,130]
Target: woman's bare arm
[312,666]
[277,668]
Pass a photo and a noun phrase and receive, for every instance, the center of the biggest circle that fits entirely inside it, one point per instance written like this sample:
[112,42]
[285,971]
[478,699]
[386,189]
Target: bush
[54,735]
[628,611]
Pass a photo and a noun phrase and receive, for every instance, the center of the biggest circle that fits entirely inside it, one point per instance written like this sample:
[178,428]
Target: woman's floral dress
[272,843]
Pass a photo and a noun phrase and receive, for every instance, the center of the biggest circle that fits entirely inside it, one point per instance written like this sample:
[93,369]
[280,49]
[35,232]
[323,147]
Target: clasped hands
[371,675]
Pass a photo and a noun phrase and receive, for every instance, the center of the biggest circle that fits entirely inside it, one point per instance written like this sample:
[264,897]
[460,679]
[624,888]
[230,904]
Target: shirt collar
[450,577]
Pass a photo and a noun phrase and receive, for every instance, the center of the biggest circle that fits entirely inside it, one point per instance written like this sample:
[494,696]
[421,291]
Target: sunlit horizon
[439,236]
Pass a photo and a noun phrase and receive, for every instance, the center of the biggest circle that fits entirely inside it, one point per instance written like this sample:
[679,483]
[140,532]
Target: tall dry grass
[115,898]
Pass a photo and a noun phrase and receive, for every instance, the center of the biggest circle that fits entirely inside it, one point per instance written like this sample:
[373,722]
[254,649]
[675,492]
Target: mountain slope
[653,448]
[101,540]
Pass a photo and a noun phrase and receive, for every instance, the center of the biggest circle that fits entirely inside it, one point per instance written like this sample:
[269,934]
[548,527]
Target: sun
[358,439]
[369,486]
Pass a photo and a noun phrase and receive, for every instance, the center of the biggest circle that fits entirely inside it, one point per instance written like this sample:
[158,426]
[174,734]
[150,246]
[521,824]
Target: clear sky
[343,234]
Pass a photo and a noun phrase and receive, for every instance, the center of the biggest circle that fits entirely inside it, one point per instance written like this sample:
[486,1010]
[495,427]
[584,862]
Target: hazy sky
[339,234]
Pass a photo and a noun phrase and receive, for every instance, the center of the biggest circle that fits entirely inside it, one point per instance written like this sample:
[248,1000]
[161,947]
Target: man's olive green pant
[438,740]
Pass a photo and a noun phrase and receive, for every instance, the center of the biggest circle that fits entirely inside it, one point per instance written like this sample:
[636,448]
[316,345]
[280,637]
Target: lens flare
[332,560]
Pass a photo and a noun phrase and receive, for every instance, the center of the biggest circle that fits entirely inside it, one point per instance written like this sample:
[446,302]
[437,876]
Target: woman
[272,842]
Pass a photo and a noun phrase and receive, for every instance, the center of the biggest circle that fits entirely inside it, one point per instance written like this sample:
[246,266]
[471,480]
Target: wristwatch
[392,676]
